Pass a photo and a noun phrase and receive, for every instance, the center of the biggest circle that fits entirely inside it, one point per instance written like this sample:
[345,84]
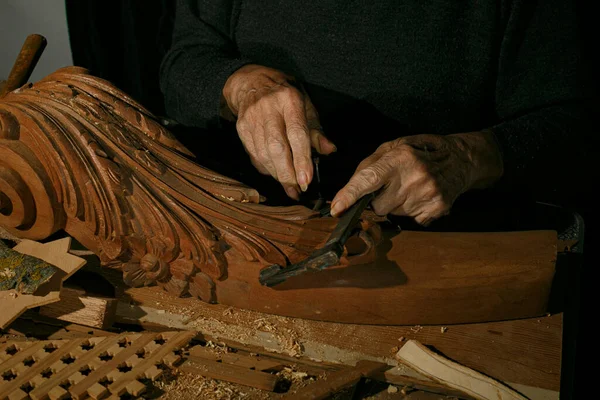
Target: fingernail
[303,181]
[336,208]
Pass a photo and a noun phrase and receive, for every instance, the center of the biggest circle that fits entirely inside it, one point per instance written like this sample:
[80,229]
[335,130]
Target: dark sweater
[439,66]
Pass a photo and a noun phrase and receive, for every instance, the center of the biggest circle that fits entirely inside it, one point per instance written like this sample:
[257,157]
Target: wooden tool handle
[26,61]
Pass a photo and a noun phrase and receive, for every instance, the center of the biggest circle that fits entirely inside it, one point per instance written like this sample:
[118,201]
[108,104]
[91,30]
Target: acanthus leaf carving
[98,165]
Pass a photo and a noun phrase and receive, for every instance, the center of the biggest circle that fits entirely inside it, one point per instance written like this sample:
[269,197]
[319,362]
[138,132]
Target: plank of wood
[199,352]
[55,253]
[32,325]
[526,352]
[339,381]
[77,306]
[438,277]
[453,374]
[231,373]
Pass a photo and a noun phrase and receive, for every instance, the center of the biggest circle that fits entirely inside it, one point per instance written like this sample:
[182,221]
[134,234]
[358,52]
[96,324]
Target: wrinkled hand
[421,176]
[277,124]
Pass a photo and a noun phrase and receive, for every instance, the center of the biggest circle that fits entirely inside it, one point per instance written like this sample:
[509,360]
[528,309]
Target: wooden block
[339,380]
[18,395]
[454,375]
[97,391]
[55,253]
[135,388]
[56,393]
[231,373]
[78,307]
[153,373]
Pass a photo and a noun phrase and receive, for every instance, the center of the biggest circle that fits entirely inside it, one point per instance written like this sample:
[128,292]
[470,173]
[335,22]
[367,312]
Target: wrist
[484,155]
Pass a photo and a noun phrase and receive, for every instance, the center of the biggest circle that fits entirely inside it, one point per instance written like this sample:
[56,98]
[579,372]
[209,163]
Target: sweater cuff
[199,89]
[515,152]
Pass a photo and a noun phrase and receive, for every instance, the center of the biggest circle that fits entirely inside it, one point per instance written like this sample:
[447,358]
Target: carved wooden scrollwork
[80,155]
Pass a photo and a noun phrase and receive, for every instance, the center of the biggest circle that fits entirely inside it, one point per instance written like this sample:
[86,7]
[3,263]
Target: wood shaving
[443,329]
[416,328]
[392,389]
[191,387]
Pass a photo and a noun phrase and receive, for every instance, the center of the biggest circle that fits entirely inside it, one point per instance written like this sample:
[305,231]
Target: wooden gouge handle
[26,61]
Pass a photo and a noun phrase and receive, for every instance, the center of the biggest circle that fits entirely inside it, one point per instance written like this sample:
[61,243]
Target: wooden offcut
[77,306]
[454,375]
[55,253]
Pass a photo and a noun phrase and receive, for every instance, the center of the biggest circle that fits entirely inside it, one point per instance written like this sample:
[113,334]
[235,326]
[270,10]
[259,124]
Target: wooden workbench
[525,354]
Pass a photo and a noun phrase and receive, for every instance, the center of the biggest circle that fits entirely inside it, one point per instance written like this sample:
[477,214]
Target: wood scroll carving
[77,154]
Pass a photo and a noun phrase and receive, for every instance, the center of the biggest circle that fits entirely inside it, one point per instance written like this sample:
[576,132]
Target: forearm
[200,61]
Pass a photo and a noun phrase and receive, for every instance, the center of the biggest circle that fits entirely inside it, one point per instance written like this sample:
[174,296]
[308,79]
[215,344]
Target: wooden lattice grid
[97,367]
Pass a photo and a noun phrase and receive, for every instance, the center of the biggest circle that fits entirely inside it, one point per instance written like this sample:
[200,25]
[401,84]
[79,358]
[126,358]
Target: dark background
[124,41]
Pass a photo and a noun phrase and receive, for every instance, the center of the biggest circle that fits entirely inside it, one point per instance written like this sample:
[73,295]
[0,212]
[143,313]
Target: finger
[388,199]
[424,219]
[245,134]
[364,181]
[292,191]
[320,142]
[278,150]
[298,138]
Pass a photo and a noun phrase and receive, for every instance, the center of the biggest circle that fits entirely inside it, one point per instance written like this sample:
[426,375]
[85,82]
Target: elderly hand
[421,176]
[277,124]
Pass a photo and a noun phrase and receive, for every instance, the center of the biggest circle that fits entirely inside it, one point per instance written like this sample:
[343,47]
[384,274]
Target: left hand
[421,176]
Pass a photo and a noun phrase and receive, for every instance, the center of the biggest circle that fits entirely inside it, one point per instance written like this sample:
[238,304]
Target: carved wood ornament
[77,154]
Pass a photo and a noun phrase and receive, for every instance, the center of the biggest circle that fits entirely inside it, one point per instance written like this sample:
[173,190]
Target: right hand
[277,124]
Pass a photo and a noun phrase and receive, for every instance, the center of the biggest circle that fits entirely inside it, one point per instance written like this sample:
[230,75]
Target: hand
[277,124]
[421,176]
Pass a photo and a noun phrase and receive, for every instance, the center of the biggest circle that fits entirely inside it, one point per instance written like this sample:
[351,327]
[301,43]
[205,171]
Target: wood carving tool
[327,256]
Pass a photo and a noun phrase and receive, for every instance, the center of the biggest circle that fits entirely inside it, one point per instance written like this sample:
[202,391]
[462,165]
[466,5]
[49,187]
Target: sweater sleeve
[202,57]
[540,99]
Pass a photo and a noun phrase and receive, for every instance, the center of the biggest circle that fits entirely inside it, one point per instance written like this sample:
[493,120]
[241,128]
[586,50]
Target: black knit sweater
[438,66]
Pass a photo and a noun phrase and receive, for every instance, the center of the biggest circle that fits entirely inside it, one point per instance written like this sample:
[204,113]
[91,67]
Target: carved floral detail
[80,155]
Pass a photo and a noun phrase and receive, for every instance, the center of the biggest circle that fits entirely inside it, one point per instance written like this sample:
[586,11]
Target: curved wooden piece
[78,154]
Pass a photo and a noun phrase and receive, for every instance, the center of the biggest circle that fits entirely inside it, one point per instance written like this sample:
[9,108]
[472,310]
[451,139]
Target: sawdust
[186,386]
[253,332]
